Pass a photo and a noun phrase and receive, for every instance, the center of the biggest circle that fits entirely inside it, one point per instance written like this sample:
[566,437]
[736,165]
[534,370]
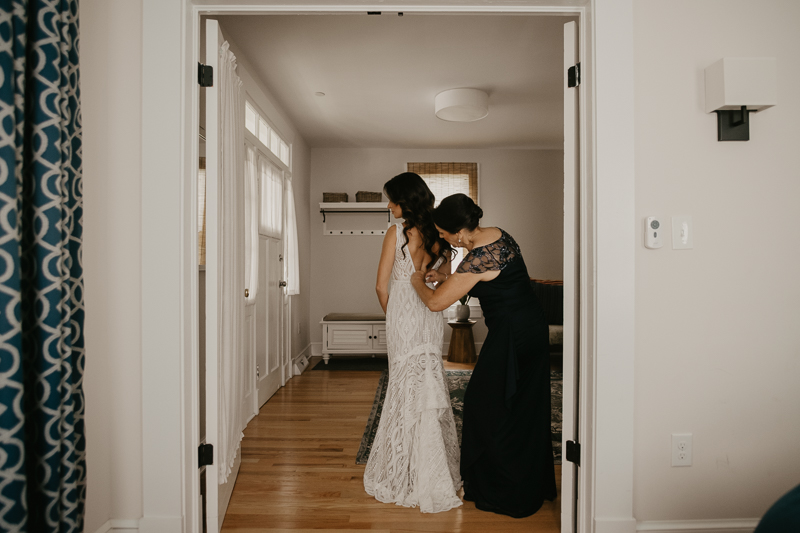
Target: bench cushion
[354,317]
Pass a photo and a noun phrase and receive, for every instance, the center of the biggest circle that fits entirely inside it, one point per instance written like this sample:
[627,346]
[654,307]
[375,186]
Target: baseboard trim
[160,524]
[300,362]
[614,525]
[304,352]
[119,526]
[734,525]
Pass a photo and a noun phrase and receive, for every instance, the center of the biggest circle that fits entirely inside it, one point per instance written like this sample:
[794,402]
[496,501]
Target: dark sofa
[551,295]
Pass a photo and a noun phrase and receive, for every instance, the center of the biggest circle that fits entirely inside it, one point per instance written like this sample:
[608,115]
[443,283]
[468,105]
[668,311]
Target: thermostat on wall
[652,232]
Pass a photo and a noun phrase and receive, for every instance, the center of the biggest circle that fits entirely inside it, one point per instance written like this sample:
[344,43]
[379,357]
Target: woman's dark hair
[457,212]
[411,193]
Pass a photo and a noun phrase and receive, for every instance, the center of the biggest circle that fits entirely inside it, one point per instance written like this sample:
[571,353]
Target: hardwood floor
[299,474]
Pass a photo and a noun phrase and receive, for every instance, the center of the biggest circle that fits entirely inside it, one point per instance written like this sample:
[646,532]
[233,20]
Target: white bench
[353,333]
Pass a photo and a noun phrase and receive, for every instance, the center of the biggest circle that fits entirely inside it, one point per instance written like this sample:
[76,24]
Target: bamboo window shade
[445,179]
[201,212]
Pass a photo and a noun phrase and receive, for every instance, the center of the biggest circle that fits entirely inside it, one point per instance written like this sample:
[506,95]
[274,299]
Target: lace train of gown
[414,459]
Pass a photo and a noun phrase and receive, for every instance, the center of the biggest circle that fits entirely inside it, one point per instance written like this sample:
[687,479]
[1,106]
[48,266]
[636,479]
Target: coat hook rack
[389,213]
[329,208]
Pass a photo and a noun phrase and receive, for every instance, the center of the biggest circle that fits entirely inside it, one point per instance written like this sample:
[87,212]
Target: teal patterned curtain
[42,445]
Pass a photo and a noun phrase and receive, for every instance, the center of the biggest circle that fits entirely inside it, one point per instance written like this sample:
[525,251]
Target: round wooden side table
[462,343]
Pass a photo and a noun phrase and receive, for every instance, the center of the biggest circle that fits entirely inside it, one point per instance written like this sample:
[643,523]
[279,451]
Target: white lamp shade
[734,82]
[462,105]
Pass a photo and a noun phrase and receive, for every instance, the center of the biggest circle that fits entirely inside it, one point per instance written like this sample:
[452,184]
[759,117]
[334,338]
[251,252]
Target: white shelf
[353,206]
[331,208]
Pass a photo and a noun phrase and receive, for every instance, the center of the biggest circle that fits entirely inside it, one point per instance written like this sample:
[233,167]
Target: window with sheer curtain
[251,216]
[271,181]
[291,249]
[269,137]
[277,215]
[445,179]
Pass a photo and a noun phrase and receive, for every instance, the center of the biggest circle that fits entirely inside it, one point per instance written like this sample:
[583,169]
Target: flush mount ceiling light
[462,105]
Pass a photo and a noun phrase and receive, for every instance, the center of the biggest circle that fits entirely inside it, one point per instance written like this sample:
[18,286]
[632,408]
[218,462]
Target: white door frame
[571,279]
[169,274]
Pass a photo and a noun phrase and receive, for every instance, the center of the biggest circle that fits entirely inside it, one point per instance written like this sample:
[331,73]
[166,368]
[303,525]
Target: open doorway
[499,191]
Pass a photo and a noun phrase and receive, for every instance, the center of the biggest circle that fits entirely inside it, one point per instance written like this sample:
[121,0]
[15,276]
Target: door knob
[281,283]
[247,293]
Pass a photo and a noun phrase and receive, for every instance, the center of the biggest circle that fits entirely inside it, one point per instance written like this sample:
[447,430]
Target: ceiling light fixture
[462,105]
[319,94]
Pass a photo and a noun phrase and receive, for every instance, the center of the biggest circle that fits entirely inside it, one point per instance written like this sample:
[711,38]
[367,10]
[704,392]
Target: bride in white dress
[414,460]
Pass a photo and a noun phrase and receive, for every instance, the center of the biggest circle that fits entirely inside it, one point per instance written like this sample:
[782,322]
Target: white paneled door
[268,323]
[250,340]
[217,495]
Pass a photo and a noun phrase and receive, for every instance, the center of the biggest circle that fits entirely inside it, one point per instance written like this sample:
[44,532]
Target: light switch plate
[682,232]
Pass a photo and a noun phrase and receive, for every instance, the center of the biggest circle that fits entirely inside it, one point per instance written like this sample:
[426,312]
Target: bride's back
[411,257]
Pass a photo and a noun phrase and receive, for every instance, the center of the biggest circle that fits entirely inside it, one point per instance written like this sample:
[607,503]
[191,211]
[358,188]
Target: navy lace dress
[506,448]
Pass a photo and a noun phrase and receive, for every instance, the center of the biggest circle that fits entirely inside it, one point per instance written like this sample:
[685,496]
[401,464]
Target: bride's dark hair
[411,193]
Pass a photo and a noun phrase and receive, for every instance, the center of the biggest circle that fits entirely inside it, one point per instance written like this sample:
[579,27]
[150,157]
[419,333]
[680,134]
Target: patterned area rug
[457,383]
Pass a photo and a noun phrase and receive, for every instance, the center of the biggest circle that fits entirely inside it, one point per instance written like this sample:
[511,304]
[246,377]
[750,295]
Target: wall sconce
[736,87]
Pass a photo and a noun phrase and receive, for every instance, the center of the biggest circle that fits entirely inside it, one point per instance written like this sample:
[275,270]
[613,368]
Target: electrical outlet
[681,449]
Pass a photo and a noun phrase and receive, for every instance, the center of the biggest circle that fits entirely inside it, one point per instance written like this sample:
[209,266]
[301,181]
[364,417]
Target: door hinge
[574,452]
[205,75]
[574,76]
[205,455]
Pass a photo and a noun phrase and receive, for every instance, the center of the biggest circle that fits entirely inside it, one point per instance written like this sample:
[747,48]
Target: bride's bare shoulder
[390,237]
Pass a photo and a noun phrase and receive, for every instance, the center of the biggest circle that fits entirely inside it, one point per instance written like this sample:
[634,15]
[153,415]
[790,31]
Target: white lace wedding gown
[414,459]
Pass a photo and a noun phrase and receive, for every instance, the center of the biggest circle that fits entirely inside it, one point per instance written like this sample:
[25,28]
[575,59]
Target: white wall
[111,58]
[521,191]
[301,303]
[717,337]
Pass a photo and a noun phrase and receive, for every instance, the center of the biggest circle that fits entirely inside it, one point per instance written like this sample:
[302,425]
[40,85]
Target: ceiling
[381,73]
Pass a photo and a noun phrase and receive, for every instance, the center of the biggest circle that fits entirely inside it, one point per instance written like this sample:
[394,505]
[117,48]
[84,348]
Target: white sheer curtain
[231,271]
[271,198]
[251,225]
[291,252]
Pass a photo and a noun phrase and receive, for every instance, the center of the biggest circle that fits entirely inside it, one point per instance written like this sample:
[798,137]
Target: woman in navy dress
[506,448]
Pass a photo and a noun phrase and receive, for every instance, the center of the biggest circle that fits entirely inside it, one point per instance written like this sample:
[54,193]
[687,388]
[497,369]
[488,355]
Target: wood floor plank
[298,471]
